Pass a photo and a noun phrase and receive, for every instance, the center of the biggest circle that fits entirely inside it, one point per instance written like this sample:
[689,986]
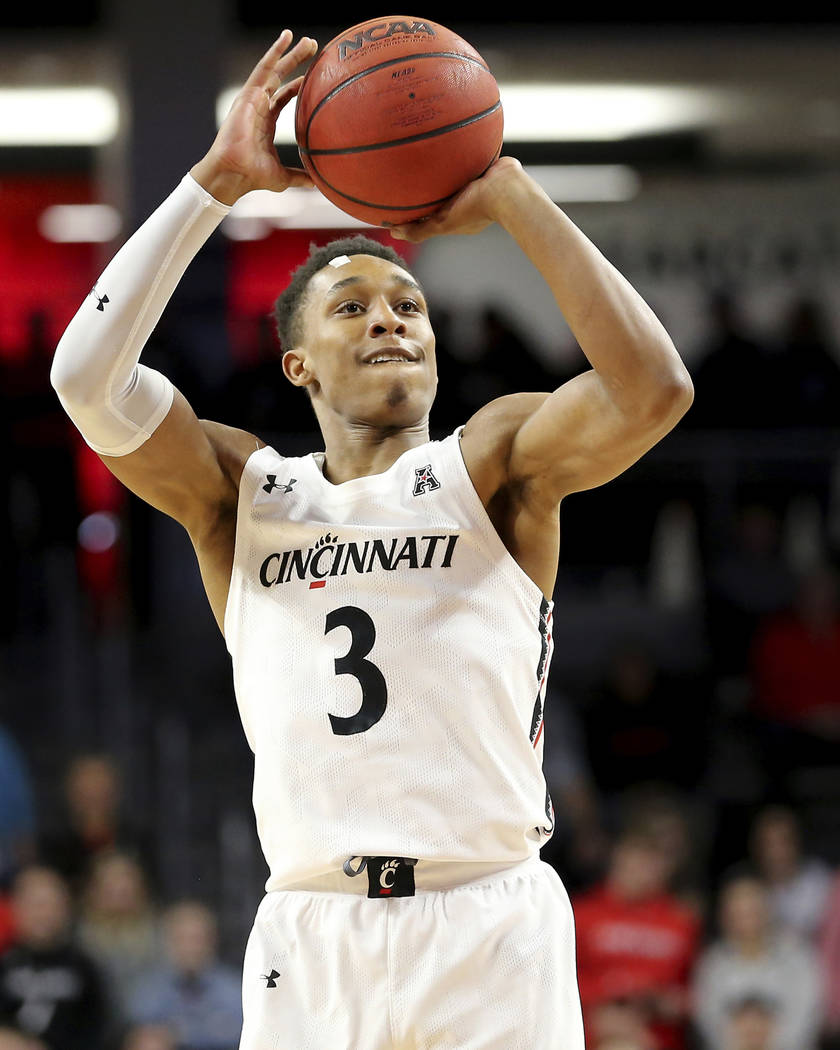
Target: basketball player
[386,603]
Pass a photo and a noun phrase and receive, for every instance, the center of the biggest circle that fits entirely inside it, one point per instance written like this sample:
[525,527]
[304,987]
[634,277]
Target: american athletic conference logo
[424,480]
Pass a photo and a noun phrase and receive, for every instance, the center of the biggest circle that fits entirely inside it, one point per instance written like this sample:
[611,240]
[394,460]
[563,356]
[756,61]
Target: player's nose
[385,320]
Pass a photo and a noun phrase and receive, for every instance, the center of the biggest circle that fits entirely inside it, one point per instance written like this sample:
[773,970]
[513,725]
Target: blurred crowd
[89,957]
[697,802]
[664,961]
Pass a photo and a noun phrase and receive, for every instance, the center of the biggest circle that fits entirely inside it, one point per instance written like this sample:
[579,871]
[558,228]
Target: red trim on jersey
[548,653]
[317,583]
[539,731]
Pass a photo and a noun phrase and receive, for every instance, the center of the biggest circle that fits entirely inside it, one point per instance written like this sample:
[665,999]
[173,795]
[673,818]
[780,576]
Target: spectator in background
[663,817]
[7,923]
[809,370]
[810,374]
[119,926]
[17,812]
[579,847]
[741,384]
[747,582]
[642,728]
[636,943]
[198,997]
[507,362]
[255,397]
[796,677]
[38,428]
[798,885]
[94,823]
[751,1025]
[48,987]
[830,966]
[727,375]
[149,1037]
[621,1025]
[508,354]
[753,960]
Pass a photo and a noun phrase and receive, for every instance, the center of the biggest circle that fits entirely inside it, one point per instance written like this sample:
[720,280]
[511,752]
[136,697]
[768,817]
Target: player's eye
[350,307]
[408,306]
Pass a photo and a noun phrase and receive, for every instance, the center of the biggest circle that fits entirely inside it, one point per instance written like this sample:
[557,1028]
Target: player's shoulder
[233,447]
[503,416]
[487,438]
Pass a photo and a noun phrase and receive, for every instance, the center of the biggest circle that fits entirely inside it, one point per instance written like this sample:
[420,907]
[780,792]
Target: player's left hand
[469,211]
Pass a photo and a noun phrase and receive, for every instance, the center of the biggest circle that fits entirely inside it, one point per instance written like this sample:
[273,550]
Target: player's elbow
[70,380]
[682,391]
[675,396]
[670,397]
[62,375]
[679,389]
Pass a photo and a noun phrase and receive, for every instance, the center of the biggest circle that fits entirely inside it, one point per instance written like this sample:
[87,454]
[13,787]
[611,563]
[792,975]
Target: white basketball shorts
[485,965]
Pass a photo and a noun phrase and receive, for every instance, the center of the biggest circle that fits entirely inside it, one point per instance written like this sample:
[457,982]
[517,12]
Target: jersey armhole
[479,514]
[245,498]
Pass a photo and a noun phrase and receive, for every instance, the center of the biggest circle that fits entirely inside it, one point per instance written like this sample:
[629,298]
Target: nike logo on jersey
[424,480]
[284,486]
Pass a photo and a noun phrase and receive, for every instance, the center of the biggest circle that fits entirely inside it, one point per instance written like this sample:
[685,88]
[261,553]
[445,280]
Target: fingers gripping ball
[395,116]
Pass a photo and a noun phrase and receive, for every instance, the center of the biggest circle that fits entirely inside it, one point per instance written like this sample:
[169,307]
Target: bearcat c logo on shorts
[390,876]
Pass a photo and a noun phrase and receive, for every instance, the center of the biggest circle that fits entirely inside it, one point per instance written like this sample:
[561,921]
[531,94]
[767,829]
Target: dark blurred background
[693,720]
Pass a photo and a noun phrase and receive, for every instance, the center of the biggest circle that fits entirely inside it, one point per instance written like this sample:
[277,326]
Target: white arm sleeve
[116,403]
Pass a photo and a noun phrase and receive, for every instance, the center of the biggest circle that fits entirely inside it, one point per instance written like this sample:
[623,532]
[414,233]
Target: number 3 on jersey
[370,678]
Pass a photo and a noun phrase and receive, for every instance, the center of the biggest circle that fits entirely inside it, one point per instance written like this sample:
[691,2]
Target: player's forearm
[115,402]
[616,329]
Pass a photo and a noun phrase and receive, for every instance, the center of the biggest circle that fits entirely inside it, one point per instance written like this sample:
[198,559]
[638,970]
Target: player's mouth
[390,356]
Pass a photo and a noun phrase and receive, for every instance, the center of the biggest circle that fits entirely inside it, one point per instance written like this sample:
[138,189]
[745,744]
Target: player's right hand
[242,157]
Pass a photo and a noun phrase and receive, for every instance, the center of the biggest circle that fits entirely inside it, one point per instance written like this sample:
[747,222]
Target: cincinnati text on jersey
[337,559]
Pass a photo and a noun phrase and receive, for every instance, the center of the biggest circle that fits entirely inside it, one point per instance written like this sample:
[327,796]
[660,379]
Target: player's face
[368,350]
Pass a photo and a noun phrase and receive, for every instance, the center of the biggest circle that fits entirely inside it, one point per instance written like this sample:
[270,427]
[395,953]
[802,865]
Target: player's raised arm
[131,415]
[596,425]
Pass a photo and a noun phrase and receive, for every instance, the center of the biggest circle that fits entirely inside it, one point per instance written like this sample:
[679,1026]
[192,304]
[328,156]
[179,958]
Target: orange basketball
[395,116]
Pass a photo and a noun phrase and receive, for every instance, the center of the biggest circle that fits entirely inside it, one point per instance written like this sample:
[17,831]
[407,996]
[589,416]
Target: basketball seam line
[385,65]
[384,207]
[403,141]
[395,207]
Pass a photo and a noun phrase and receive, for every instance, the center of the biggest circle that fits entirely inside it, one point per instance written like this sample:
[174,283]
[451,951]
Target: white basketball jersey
[390,660]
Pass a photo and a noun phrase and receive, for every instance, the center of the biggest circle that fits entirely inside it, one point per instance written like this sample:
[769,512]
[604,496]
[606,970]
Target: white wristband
[116,403]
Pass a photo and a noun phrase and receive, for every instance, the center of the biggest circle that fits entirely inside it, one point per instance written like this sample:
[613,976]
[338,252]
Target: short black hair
[287,307]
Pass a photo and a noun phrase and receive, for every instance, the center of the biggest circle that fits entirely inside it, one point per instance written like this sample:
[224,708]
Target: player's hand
[470,211]
[242,157]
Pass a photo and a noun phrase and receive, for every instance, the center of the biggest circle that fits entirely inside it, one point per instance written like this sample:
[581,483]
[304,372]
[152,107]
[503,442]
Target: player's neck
[359,450]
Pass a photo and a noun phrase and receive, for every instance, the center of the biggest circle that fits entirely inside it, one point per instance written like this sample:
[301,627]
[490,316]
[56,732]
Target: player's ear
[295,368]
